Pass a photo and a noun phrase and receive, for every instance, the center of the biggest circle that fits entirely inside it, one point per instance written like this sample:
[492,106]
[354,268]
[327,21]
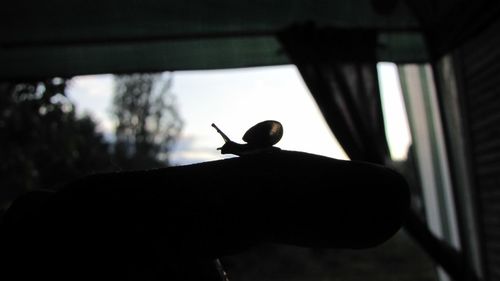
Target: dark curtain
[449,23]
[339,67]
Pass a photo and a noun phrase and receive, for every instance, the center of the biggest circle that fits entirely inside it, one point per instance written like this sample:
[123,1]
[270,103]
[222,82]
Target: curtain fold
[339,68]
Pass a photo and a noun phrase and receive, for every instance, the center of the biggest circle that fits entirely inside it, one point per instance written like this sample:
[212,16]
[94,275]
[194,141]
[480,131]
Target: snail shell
[259,138]
[264,134]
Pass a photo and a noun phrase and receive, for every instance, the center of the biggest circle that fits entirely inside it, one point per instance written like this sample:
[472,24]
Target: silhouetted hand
[174,222]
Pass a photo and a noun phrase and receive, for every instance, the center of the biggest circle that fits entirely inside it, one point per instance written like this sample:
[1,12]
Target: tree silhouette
[43,143]
[148,121]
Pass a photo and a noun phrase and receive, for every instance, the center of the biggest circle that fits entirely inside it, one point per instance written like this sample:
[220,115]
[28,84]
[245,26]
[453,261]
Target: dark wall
[478,79]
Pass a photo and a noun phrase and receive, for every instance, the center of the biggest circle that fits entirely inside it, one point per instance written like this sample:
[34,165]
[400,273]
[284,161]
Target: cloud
[190,149]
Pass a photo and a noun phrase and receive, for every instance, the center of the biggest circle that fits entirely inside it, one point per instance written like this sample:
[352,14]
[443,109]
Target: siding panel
[481,74]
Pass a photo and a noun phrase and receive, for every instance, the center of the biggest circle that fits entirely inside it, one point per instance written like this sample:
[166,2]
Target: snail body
[260,138]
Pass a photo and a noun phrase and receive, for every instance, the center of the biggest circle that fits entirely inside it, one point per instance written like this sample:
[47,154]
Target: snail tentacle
[226,138]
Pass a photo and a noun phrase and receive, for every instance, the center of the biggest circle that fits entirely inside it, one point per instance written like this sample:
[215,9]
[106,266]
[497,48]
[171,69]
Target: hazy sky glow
[235,100]
[395,120]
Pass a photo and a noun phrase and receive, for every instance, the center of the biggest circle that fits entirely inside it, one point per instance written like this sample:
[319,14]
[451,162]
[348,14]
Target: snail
[259,138]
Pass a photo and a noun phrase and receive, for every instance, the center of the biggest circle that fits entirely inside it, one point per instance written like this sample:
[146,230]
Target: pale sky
[237,99]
